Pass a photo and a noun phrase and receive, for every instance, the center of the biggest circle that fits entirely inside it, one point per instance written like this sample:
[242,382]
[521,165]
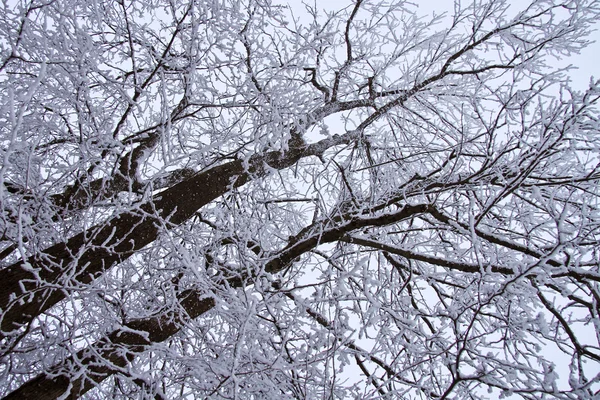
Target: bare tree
[224,199]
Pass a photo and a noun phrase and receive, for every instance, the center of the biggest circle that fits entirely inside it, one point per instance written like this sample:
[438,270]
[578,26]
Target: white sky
[587,63]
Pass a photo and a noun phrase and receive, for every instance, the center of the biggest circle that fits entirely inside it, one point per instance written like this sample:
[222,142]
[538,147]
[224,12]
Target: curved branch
[32,286]
[111,353]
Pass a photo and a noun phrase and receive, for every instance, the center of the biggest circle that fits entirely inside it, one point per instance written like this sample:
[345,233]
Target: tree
[220,199]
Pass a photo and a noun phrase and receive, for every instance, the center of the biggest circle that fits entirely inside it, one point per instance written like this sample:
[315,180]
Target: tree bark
[119,347]
[112,353]
[33,286]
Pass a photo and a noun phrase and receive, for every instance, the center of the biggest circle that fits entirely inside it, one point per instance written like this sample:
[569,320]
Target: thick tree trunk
[30,288]
[112,353]
[118,347]
[33,286]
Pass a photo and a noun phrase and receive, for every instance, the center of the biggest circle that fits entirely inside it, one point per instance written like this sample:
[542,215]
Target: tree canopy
[227,199]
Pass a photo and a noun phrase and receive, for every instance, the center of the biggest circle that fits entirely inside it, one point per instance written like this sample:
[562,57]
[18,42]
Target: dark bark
[33,286]
[312,236]
[118,347]
[30,288]
[112,353]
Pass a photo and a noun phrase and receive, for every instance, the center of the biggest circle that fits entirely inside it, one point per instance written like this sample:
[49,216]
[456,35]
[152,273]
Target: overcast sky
[587,63]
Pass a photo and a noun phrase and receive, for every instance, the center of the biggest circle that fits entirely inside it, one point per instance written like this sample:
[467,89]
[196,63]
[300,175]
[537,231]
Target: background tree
[218,199]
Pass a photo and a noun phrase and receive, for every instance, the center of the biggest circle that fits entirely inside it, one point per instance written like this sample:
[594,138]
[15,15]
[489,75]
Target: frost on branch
[242,199]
